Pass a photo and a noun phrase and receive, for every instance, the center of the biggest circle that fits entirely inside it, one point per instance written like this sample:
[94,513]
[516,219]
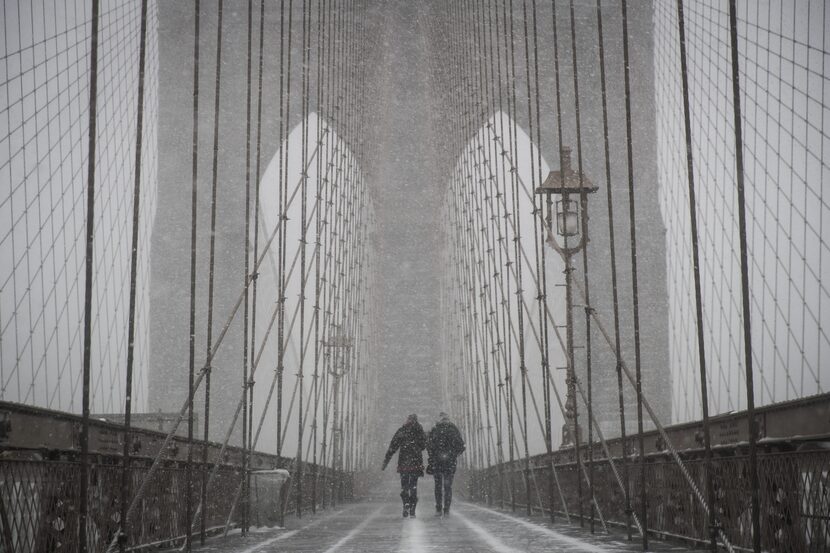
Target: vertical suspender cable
[509,74]
[634,284]
[337,427]
[128,391]
[467,355]
[327,227]
[192,324]
[211,266]
[497,273]
[317,231]
[482,74]
[303,201]
[518,219]
[285,100]
[571,406]
[519,285]
[553,481]
[471,363]
[744,253]
[475,252]
[510,70]
[542,286]
[613,261]
[568,292]
[701,344]
[583,199]
[501,236]
[253,277]
[83,504]
[246,244]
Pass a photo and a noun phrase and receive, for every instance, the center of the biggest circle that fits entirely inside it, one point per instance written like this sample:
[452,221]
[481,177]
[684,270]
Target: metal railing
[40,486]
[794,493]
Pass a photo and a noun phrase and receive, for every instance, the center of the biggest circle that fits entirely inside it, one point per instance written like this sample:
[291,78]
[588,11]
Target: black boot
[412,509]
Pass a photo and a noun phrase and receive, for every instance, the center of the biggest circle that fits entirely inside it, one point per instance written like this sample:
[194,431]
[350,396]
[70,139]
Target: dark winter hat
[412,418]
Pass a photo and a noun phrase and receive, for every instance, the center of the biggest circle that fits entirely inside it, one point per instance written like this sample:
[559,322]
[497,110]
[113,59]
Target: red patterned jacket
[411,441]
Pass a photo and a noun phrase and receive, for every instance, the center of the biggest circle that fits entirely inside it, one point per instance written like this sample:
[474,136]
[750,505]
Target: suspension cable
[613,264]
[191,384]
[246,266]
[634,274]
[584,208]
[745,296]
[211,257]
[283,169]
[89,262]
[704,395]
[128,386]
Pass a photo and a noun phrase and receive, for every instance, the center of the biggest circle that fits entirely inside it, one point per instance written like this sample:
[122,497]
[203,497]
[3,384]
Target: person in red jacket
[410,440]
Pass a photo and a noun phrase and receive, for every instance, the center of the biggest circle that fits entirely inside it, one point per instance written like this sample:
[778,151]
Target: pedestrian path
[377,527]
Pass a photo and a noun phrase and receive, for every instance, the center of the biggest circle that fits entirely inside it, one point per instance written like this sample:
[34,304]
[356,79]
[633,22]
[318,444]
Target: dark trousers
[409,488]
[443,489]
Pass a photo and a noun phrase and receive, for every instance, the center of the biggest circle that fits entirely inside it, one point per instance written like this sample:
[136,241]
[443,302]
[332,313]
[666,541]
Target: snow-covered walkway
[377,527]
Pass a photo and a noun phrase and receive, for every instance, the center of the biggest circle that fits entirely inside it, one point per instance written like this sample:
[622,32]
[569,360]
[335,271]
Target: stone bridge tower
[406,181]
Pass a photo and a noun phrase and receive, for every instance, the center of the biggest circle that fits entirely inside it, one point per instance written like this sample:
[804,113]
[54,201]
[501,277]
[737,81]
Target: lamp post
[338,340]
[566,184]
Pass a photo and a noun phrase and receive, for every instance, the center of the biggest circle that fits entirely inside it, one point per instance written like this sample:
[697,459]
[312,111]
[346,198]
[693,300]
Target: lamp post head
[563,183]
[338,339]
[566,181]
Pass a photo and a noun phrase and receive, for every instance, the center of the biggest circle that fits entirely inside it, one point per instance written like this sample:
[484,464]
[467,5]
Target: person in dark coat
[444,445]
[410,440]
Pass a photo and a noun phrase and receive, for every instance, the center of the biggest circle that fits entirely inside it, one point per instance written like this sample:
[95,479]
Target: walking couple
[443,444]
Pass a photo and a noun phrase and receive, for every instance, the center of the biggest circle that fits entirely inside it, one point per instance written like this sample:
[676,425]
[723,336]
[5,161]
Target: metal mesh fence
[44,79]
[785,88]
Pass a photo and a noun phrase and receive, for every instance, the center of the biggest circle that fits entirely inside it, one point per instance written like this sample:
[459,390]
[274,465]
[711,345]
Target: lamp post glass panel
[567,184]
[567,217]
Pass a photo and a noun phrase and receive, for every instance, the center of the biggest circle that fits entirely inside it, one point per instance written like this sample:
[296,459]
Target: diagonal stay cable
[660,428]
[184,409]
[562,344]
[578,382]
[253,368]
[626,370]
[479,210]
[527,309]
[646,405]
[293,319]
